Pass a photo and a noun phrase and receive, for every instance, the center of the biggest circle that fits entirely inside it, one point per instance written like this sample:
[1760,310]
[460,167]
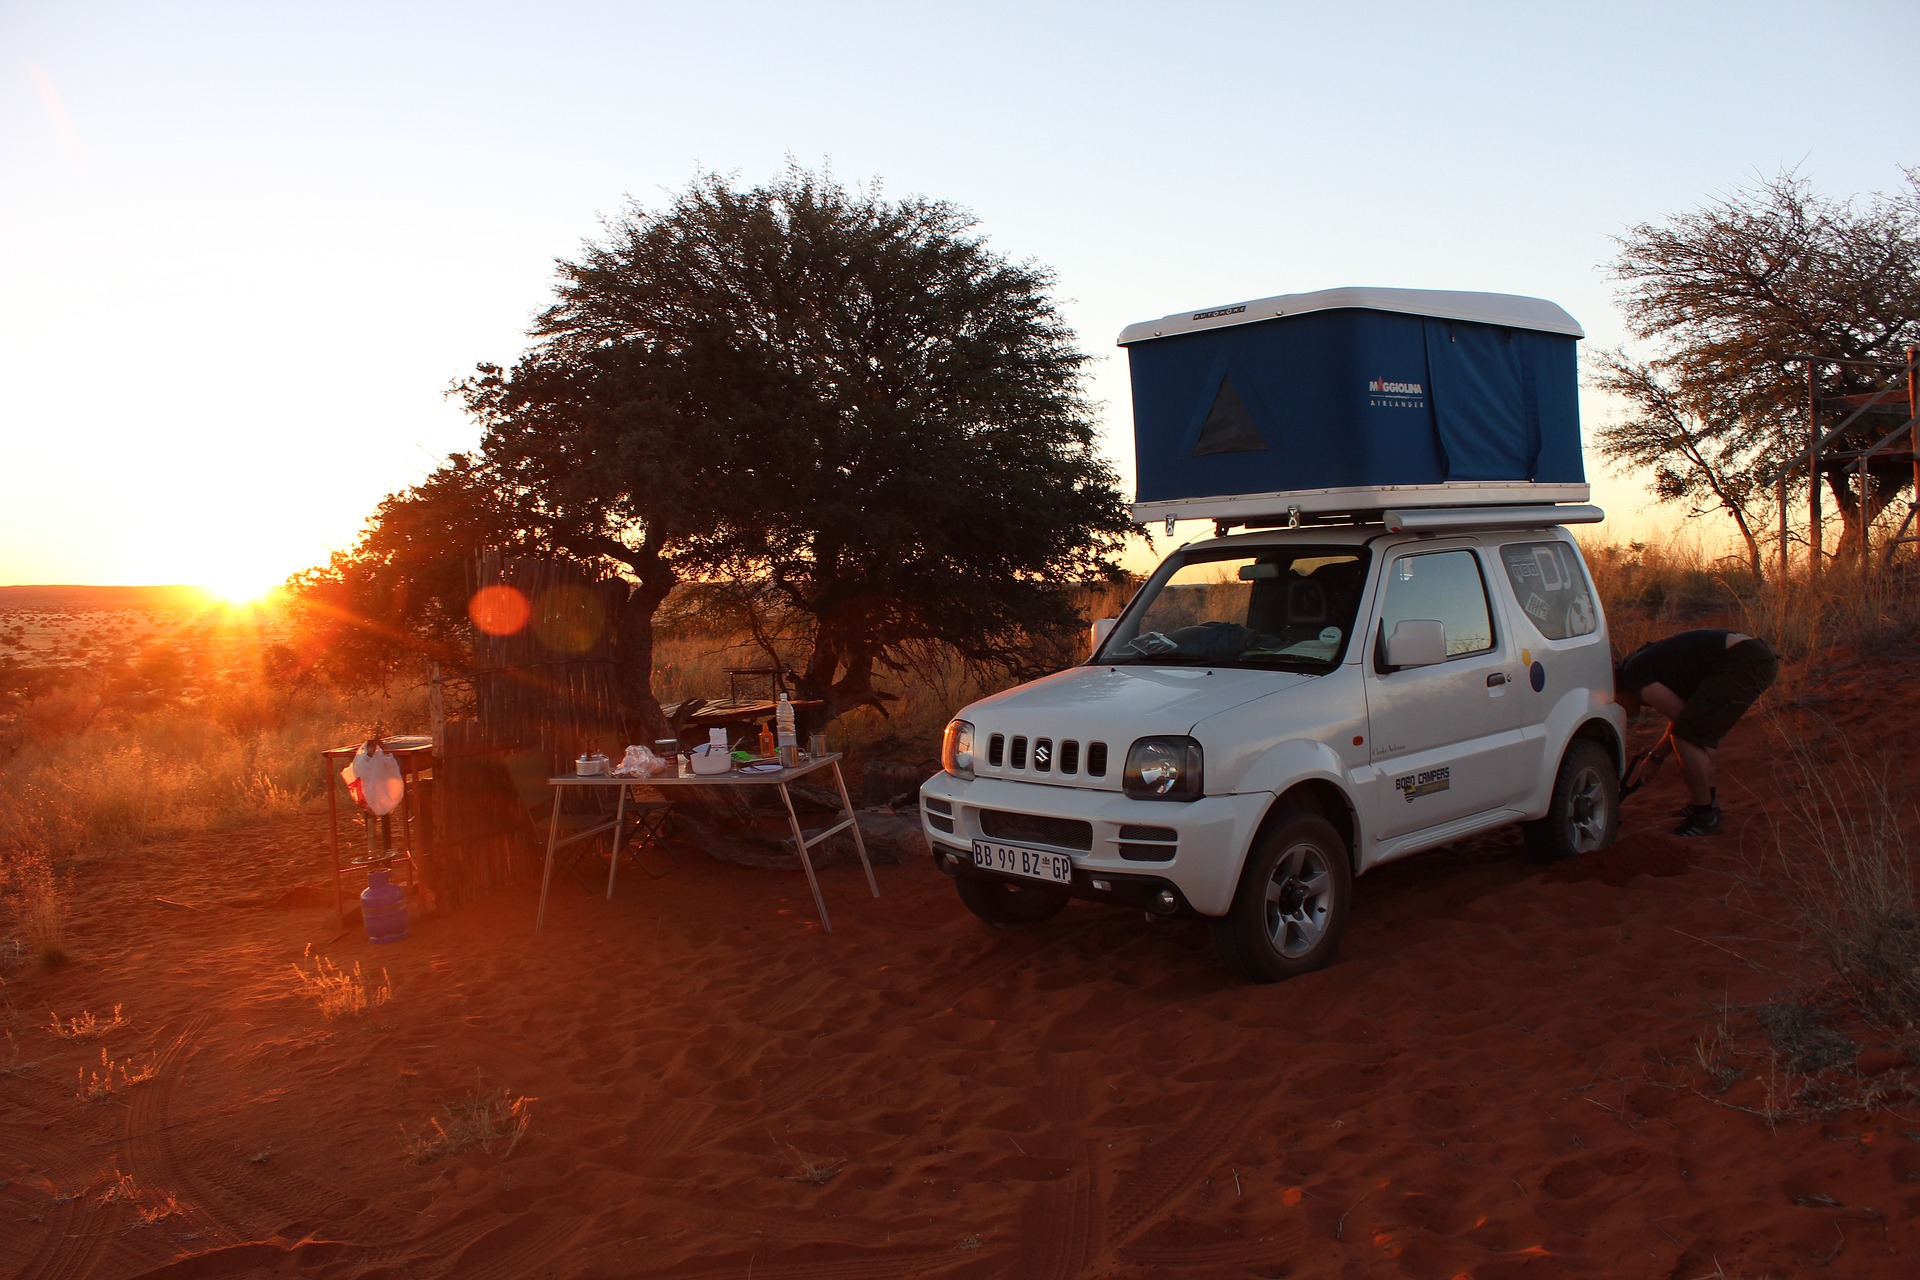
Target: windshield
[1289,607]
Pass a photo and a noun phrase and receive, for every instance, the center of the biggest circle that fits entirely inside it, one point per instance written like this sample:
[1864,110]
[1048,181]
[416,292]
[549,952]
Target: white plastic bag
[640,762]
[373,779]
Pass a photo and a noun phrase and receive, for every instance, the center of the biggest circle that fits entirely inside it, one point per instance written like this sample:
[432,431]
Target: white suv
[1277,712]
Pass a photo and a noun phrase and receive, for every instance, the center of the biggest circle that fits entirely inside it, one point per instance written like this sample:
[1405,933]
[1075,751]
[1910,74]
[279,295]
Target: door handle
[1497,679]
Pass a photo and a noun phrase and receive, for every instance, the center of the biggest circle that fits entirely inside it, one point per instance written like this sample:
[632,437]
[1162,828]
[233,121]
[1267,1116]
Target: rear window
[1550,585]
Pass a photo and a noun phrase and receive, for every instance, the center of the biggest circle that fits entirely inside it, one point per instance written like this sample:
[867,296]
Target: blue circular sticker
[1537,677]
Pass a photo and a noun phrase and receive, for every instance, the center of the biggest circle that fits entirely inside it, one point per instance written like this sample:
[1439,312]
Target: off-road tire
[1004,902]
[1292,903]
[1584,814]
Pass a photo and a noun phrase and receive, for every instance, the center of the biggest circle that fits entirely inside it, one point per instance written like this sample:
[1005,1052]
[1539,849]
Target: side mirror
[1102,628]
[1417,642]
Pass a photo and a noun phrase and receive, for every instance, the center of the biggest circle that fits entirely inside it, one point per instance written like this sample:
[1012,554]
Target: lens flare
[570,619]
[499,610]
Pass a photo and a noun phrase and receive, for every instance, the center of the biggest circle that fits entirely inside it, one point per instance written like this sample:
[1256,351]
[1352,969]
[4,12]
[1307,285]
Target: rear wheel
[1584,814]
[1291,907]
[1005,902]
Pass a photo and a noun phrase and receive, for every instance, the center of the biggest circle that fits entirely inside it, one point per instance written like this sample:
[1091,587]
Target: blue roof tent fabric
[1352,398]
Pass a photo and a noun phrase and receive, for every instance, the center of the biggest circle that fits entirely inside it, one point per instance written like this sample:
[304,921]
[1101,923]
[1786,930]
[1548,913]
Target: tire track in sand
[1010,951]
[1170,1167]
[1067,1223]
[509,1247]
[76,1224]
[148,1146]
[225,1207]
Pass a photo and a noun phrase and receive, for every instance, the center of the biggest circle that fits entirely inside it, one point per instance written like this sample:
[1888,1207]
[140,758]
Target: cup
[816,745]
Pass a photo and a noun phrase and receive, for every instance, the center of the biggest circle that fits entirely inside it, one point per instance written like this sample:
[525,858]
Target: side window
[1551,588]
[1442,585]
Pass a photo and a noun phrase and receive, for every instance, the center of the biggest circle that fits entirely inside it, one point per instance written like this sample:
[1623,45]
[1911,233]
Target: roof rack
[1422,519]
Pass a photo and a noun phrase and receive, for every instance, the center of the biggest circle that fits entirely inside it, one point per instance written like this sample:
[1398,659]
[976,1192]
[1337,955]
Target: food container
[591,766]
[709,759]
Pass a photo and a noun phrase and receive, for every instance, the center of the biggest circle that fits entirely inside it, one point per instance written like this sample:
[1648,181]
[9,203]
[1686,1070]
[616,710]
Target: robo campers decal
[1425,783]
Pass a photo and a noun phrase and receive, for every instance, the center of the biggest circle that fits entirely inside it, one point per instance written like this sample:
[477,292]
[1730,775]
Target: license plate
[1056,868]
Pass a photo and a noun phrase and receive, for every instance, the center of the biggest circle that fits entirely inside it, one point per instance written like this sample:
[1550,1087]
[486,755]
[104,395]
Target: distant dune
[92,597]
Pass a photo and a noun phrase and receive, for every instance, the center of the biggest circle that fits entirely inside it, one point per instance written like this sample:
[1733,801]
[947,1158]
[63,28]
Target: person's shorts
[1724,696]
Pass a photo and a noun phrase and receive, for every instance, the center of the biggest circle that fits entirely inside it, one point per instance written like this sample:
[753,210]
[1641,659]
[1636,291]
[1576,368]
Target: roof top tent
[1351,401]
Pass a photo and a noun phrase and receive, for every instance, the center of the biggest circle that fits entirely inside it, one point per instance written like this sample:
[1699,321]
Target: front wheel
[1291,907]
[1584,814]
[1004,902]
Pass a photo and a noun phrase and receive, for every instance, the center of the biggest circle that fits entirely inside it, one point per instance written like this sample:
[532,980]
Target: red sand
[1497,1077]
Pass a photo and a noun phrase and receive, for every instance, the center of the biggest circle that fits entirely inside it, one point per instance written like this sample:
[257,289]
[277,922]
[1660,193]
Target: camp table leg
[800,843]
[846,807]
[619,825]
[546,877]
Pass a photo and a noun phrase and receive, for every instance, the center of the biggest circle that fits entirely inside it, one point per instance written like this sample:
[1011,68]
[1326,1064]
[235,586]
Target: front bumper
[1209,844]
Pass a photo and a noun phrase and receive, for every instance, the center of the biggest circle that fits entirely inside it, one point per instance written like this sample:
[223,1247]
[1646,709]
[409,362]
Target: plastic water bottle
[383,909]
[785,737]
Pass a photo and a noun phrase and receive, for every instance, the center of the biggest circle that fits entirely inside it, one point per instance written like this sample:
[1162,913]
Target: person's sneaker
[1701,820]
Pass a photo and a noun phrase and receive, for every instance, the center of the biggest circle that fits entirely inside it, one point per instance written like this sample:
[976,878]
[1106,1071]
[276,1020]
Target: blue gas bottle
[383,908]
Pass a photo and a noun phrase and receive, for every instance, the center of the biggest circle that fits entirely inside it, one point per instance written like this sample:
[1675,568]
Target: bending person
[1702,681]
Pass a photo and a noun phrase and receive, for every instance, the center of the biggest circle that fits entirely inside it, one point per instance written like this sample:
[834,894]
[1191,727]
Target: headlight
[956,749]
[1163,769]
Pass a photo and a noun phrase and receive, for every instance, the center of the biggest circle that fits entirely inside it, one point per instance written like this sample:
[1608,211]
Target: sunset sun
[240,584]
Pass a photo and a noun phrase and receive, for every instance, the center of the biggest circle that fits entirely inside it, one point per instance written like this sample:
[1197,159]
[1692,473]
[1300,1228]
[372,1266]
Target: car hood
[1119,704]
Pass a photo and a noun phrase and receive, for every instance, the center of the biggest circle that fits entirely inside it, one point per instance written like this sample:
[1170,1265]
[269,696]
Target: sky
[245,249]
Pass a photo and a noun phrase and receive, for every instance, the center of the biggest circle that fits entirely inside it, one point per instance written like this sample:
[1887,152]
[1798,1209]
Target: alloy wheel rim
[1587,812]
[1299,900]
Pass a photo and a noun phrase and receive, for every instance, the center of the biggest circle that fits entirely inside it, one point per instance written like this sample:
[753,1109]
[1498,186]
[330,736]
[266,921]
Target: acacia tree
[1737,295]
[399,594]
[850,401]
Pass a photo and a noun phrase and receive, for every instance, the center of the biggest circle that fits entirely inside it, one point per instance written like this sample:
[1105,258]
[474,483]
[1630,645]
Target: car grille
[1061,833]
[1148,844]
[1064,756]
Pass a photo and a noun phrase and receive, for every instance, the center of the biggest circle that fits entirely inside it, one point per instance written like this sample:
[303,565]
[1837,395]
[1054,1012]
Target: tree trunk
[633,674]
[840,673]
[1753,545]
[1883,485]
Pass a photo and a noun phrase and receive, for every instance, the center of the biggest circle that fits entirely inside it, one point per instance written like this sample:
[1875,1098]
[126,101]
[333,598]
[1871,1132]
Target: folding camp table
[775,777]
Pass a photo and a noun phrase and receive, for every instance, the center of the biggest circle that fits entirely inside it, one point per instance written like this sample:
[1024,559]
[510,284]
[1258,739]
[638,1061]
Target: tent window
[1229,427]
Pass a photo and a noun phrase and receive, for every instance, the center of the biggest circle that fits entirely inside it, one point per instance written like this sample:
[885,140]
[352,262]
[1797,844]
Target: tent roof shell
[1510,310]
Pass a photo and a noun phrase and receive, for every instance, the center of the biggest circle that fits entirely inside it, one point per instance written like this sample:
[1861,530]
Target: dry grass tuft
[85,1025]
[112,1077]
[340,993]
[1716,1050]
[152,1209]
[39,908]
[1847,1040]
[815,1173]
[1844,853]
[482,1121]
[1654,588]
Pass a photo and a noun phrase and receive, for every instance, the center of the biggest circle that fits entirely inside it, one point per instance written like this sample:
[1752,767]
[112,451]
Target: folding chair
[648,827]
[529,771]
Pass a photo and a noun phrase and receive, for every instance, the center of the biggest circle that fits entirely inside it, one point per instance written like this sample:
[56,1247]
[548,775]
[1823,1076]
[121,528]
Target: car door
[1445,740]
